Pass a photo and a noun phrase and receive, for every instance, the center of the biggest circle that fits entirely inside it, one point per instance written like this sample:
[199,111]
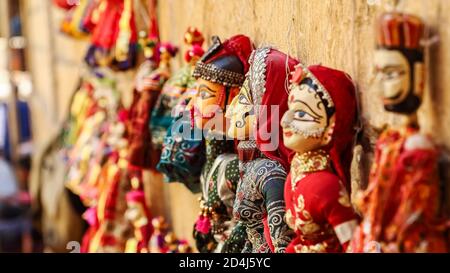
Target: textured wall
[336,33]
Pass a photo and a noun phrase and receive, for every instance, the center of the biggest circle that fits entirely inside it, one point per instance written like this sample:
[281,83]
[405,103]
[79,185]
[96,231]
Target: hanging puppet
[174,88]
[181,158]
[401,206]
[220,73]
[114,37]
[320,128]
[142,154]
[255,115]
[138,214]
[104,192]
[72,24]
[88,131]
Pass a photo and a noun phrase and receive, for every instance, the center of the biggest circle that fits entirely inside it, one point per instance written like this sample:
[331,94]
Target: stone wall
[335,33]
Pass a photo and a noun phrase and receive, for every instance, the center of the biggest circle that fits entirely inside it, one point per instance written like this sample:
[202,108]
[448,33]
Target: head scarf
[225,63]
[268,85]
[342,91]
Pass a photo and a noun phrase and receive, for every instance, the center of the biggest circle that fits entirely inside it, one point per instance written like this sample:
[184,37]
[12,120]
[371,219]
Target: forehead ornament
[302,72]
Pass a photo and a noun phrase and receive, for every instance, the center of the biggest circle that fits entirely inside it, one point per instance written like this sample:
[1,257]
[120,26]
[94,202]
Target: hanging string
[359,123]
[205,22]
[143,12]
[428,40]
[393,5]
[153,14]
[270,17]
[245,26]
[288,36]
[173,20]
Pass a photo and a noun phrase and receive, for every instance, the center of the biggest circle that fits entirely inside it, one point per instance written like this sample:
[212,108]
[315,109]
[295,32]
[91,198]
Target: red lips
[204,116]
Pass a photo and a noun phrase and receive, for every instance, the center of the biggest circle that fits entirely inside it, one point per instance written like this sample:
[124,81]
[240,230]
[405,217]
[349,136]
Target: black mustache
[241,123]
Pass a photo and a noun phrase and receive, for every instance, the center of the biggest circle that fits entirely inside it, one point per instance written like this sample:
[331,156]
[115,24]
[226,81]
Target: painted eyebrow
[304,103]
[244,96]
[205,86]
[247,95]
[390,67]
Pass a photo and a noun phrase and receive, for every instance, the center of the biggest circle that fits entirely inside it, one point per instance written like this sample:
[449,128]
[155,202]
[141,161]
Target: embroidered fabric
[182,158]
[257,76]
[219,180]
[319,211]
[260,195]
[401,204]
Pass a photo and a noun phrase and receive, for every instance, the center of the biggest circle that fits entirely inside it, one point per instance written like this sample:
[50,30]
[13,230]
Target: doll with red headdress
[401,206]
[255,115]
[219,73]
[320,128]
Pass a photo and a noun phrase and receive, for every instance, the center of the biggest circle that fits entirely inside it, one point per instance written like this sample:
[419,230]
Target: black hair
[227,96]
[412,102]
[330,110]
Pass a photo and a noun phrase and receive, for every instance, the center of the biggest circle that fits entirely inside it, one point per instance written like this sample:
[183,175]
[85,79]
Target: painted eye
[243,100]
[301,115]
[394,74]
[205,95]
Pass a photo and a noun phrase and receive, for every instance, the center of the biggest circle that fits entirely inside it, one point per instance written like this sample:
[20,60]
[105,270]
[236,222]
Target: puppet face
[393,72]
[401,84]
[306,125]
[208,103]
[241,114]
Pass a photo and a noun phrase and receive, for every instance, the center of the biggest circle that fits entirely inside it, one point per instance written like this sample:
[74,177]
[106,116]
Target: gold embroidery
[305,225]
[317,248]
[289,218]
[312,161]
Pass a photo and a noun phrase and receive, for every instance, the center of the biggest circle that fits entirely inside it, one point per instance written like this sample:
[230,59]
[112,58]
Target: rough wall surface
[335,33]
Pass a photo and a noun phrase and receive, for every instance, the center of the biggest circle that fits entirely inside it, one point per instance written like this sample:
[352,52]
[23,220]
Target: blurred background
[42,66]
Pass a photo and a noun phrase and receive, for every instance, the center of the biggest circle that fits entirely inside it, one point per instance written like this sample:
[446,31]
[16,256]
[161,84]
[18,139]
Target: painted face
[208,103]
[394,75]
[241,114]
[306,125]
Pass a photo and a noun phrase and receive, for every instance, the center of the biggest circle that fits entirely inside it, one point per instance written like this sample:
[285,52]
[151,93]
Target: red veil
[342,90]
[275,93]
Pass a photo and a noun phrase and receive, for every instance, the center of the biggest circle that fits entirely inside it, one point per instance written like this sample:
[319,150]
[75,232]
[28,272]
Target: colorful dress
[141,153]
[401,205]
[219,179]
[260,205]
[318,209]
[161,114]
